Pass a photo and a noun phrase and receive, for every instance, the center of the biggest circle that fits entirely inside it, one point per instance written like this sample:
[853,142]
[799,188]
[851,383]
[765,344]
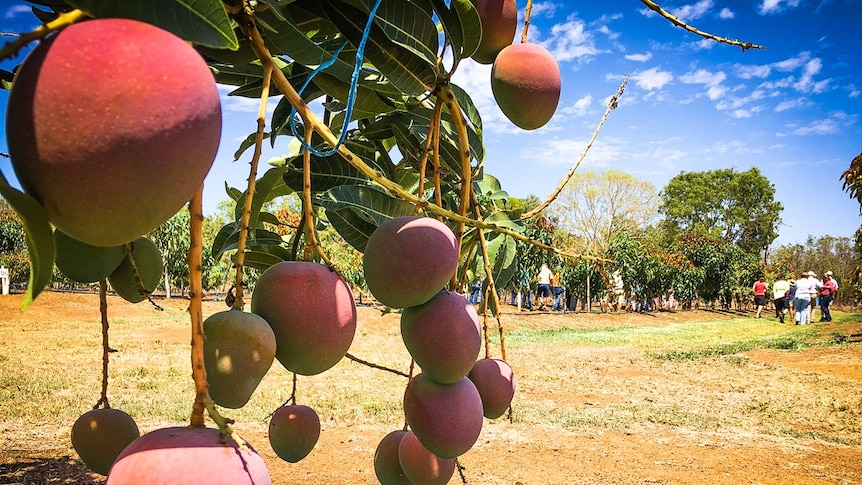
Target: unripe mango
[447,418]
[526,84]
[443,336]
[495,382]
[293,432]
[148,261]
[100,435]
[188,456]
[422,466]
[408,260]
[387,466]
[311,311]
[83,262]
[112,125]
[499,25]
[238,351]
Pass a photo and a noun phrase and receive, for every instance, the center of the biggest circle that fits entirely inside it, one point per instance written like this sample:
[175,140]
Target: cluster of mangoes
[525,78]
[408,262]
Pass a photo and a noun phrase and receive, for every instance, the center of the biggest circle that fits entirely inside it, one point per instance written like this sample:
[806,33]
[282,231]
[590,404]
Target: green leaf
[40,239]
[407,24]
[409,72]
[266,188]
[202,22]
[326,173]
[471,26]
[354,229]
[368,103]
[221,239]
[368,200]
[260,260]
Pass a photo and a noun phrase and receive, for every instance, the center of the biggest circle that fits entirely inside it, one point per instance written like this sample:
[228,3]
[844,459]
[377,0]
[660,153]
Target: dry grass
[579,375]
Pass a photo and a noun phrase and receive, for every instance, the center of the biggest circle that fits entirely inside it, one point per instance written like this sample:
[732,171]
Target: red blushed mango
[311,311]
[387,467]
[422,466]
[112,125]
[100,435]
[293,432]
[443,336]
[499,25]
[238,351]
[408,260]
[495,382]
[188,456]
[447,418]
[526,84]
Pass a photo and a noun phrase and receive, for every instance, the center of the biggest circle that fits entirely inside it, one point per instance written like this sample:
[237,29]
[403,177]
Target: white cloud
[768,7]
[639,57]
[792,104]
[15,10]
[652,79]
[580,107]
[726,13]
[712,81]
[605,152]
[570,41]
[745,113]
[819,127]
[806,83]
[687,13]
[763,71]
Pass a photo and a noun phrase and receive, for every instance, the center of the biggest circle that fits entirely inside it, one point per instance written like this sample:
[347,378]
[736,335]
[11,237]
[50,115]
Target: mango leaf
[202,22]
[221,239]
[369,201]
[462,26]
[368,103]
[257,238]
[260,260]
[409,72]
[326,173]
[407,24]
[40,239]
[289,40]
[467,106]
[353,228]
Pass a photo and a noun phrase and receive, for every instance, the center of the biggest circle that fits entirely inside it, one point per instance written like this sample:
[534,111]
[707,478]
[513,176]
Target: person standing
[759,290]
[827,293]
[779,297]
[814,296]
[805,288]
[557,290]
[544,292]
[791,295]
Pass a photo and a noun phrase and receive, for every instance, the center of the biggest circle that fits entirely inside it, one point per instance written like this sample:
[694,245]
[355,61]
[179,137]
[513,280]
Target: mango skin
[100,435]
[83,262]
[238,351]
[526,83]
[311,311]
[499,26]
[408,260]
[188,456]
[112,125]
[422,466]
[148,260]
[446,418]
[495,381]
[387,467]
[293,432]
[443,336]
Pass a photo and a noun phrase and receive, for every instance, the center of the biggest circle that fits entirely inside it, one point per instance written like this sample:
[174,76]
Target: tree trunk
[167,284]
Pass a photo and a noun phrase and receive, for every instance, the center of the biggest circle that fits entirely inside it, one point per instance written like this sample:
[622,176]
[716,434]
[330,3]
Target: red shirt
[759,288]
[828,287]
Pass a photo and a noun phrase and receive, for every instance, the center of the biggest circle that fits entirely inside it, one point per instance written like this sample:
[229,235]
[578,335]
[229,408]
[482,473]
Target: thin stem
[103,310]
[614,102]
[529,10]
[199,372]
[375,366]
[486,261]
[311,243]
[679,23]
[244,230]
[63,20]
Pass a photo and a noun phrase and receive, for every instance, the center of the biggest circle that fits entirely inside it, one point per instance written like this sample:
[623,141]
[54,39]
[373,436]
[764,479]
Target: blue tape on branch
[351,95]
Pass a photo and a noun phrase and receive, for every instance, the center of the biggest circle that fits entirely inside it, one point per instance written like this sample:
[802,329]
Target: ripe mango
[526,83]
[499,25]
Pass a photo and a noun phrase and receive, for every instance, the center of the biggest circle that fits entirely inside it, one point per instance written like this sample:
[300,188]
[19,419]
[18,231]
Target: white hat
[828,273]
[812,273]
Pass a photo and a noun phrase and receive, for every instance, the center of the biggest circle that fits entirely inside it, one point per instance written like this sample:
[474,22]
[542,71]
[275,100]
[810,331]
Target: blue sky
[792,110]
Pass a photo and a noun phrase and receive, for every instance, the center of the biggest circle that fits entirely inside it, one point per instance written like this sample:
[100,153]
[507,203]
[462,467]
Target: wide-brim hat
[812,273]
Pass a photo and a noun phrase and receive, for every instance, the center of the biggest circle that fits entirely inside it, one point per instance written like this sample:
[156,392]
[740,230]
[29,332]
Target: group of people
[797,297]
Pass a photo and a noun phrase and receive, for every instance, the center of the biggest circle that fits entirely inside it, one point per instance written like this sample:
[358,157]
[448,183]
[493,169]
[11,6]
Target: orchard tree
[594,207]
[114,119]
[172,239]
[853,185]
[13,249]
[738,207]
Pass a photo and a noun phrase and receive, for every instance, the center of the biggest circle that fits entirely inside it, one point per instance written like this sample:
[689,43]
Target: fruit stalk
[63,20]
[612,104]
[199,372]
[527,13]
[433,130]
[103,310]
[486,261]
[252,178]
[311,243]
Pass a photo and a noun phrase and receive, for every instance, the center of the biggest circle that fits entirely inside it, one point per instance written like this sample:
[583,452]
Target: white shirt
[806,287]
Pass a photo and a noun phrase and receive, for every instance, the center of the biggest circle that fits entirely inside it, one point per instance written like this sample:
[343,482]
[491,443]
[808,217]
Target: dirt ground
[582,415]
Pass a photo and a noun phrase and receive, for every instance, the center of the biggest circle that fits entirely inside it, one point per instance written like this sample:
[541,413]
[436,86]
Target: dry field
[673,398]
